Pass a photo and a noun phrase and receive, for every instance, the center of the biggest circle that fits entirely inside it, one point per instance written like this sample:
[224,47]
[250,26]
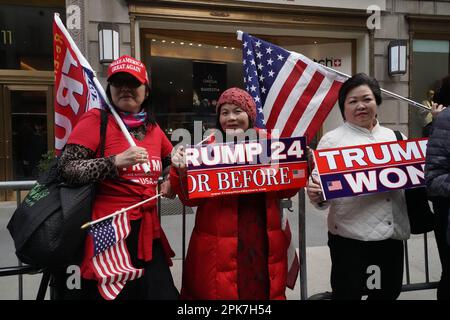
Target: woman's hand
[133,155]
[314,190]
[178,161]
[166,190]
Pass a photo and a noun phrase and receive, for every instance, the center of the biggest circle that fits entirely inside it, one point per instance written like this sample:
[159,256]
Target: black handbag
[46,226]
[421,218]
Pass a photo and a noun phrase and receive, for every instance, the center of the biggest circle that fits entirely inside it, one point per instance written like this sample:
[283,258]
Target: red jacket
[210,270]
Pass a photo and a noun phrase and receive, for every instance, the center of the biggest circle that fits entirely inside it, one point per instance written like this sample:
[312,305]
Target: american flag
[298,174]
[334,185]
[111,259]
[292,93]
[76,91]
[293,262]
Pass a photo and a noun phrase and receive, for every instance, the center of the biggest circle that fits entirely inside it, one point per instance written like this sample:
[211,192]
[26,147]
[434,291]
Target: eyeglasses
[131,83]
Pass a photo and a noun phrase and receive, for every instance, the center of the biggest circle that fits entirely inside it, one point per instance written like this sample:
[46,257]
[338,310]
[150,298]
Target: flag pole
[389,93]
[99,87]
[88,224]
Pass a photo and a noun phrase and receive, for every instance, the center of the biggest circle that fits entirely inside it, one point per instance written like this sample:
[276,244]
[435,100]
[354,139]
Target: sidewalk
[317,256]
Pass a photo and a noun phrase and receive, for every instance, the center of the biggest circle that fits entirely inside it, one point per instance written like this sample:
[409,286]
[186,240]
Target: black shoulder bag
[421,218]
[45,227]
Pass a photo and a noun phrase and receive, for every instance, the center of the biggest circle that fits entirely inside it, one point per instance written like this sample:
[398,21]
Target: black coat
[437,168]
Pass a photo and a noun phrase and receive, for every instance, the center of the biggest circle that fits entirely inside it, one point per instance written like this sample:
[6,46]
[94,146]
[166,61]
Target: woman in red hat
[122,182]
[238,249]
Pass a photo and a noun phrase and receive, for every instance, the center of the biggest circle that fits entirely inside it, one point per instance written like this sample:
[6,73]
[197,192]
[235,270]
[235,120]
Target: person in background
[238,249]
[435,109]
[365,233]
[122,182]
[437,178]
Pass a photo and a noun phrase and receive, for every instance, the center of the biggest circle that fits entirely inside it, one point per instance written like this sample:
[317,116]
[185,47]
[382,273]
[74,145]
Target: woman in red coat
[237,248]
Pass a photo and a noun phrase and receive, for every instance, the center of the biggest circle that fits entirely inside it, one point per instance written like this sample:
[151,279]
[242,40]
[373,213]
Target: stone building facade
[182,41]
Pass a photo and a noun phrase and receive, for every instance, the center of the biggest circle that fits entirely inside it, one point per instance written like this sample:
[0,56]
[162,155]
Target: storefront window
[431,64]
[187,79]
[26,37]
[29,132]
[189,71]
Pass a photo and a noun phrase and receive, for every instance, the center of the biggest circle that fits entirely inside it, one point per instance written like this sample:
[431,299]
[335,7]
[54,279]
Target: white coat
[371,217]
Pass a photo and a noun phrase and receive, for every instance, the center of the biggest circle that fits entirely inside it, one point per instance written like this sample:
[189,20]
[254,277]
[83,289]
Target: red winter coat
[210,270]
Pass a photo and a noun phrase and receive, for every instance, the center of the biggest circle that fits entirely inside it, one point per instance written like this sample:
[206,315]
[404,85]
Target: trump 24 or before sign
[248,167]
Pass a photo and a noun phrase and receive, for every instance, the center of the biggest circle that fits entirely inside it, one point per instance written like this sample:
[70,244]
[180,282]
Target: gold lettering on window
[6,37]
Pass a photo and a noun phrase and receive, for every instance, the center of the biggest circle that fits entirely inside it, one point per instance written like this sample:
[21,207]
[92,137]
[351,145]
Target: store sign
[330,62]
[346,4]
[210,80]
[248,167]
[371,168]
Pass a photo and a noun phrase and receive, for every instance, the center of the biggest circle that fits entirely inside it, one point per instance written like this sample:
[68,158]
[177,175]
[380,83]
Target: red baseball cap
[129,65]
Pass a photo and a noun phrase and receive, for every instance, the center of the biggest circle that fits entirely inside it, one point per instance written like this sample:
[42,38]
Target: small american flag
[298,174]
[111,259]
[292,93]
[334,185]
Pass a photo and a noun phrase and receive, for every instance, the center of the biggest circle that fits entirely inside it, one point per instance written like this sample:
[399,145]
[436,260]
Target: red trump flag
[75,89]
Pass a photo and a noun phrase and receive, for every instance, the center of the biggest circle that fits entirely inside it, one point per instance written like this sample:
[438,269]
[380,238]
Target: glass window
[187,78]
[26,36]
[29,132]
[431,64]
[189,70]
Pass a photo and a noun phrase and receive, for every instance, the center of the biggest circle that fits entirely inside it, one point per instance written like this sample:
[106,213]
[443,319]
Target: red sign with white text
[371,168]
[250,167]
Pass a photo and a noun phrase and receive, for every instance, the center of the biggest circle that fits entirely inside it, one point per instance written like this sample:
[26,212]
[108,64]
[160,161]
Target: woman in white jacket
[365,233]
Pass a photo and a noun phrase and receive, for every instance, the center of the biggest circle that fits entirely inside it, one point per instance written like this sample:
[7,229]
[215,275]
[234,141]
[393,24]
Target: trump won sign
[371,168]
[246,167]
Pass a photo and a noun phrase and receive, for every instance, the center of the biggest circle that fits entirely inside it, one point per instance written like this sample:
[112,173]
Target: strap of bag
[398,135]
[43,286]
[103,127]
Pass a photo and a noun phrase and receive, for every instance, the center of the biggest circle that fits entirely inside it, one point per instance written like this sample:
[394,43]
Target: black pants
[372,268]
[440,231]
[156,283]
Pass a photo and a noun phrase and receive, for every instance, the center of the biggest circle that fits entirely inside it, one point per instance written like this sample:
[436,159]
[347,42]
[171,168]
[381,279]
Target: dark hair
[442,96]
[357,80]
[145,105]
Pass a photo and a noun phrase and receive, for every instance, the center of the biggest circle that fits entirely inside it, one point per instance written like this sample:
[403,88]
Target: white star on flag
[295,93]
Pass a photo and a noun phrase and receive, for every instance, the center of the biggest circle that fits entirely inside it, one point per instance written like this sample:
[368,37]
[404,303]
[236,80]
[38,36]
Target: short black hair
[442,96]
[357,80]
[146,105]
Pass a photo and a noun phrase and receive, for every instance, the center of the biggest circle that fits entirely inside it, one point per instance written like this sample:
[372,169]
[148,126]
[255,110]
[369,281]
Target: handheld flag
[111,261]
[76,91]
[292,93]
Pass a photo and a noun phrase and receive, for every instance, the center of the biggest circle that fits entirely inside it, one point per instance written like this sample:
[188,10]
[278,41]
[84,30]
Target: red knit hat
[129,65]
[239,98]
